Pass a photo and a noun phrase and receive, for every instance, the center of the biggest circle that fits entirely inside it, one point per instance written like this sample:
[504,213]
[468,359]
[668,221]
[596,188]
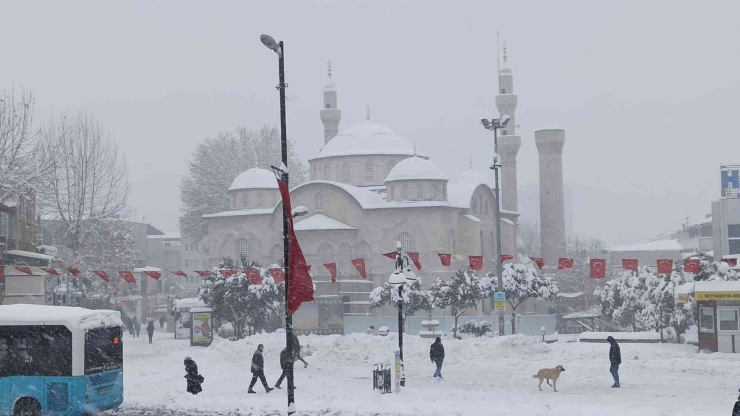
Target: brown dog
[549,374]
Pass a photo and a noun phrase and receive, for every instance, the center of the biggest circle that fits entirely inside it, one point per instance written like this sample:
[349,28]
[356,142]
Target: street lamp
[401,276]
[277,47]
[496,124]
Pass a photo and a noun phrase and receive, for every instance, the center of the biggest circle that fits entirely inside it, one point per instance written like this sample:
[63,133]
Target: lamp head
[299,211]
[505,120]
[485,122]
[397,279]
[399,247]
[268,41]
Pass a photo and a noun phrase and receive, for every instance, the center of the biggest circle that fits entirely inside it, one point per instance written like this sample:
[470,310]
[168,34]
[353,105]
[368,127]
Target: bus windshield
[103,349]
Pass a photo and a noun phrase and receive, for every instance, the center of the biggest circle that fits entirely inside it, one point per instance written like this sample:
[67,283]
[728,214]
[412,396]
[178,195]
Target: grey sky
[647,91]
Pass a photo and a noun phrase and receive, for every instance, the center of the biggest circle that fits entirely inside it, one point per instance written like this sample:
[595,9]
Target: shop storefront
[719,316]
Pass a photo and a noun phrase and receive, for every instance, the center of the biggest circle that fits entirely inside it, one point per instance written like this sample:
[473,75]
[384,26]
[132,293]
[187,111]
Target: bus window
[103,350]
[35,351]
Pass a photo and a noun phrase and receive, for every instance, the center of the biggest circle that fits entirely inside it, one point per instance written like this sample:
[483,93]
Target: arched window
[405,193]
[345,172]
[485,210]
[242,251]
[318,200]
[245,200]
[259,199]
[407,242]
[419,191]
[390,166]
[368,171]
[327,172]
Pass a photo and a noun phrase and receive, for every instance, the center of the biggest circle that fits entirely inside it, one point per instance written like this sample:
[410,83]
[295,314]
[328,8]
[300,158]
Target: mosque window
[259,199]
[242,251]
[327,172]
[404,192]
[328,105]
[407,242]
[390,166]
[368,172]
[345,172]
[505,133]
[245,200]
[419,191]
[318,200]
[503,90]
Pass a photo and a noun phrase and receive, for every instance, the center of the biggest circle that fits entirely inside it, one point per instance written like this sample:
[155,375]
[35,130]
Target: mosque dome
[416,168]
[254,178]
[367,139]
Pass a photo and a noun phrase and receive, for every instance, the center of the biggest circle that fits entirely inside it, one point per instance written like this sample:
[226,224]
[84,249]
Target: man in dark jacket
[258,370]
[615,357]
[191,375]
[437,355]
[150,329]
[297,351]
[285,363]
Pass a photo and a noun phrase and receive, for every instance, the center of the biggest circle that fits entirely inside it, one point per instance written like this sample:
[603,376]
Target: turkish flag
[127,276]
[665,266]
[154,275]
[506,257]
[278,275]
[74,271]
[332,267]
[476,262]
[254,276]
[445,258]
[731,261]
[629,264]
[391,255]
[203,273]
[415,258]
[597,268]
[564,263]
[24,269]
[54,272]
[102,274]
[227,272]
[300,285]
[539,261]
[360,266]
[179,273]
[692,266]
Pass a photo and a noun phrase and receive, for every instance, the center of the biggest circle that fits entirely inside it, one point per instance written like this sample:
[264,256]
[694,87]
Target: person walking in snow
[161,322]
[191,375]
[258,370]
[137,327]
[297,351]
[285,364]
[437,355]
[150,329]
[615,357]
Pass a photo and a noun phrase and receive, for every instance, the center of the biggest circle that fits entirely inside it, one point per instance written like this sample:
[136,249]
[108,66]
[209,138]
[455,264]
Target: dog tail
[535,376]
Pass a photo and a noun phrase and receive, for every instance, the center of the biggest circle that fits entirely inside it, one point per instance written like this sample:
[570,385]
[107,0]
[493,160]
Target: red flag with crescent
[692,266]
[154,275]
[360,266]
[445,258]
[476,262]
[415,258]
[665,266]
[506,257]
[102,274]
[179,273]
[278,275]
[51,271]
[332,267]
[597,268]
[203,273]
[227,272]
[539,261]
[731,261]
[74,271]
[254,276]
[24,269]
[564,263]
[127,276]
[391,255]
[630,264]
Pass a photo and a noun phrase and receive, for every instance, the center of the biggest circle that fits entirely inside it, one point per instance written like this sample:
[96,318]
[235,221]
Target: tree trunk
[454,330]
[513,321]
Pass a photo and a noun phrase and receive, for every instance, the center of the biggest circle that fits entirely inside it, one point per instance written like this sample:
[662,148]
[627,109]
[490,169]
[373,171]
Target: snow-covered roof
[472,218]
[254,178]
[196,310]
[321,222]
[240,212]
[147,269]
[188,303]
[570,295]
[717,286]
[367,139]
[461,188]
[416,168]
[507,221]
[70,317]
[165,236]
[659,245]
[685,288]
[30,254]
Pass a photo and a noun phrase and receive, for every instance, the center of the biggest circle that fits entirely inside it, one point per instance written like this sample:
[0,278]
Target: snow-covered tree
[522,282]
[463,291]
[414,299]
[623,298]
[215,164]
[581,250]
[714,270]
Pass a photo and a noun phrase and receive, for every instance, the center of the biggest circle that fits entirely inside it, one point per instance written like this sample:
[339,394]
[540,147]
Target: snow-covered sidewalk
[482,376]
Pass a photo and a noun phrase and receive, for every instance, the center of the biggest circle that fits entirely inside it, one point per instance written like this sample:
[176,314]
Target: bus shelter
[718,305]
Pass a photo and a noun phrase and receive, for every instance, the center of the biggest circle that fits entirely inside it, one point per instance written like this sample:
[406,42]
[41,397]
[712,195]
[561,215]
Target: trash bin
[382,377]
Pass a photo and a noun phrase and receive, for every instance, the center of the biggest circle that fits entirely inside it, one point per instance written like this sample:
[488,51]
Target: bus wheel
[27,406]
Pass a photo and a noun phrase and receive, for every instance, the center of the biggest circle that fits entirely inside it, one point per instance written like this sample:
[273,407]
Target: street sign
[499,301]
[398,371]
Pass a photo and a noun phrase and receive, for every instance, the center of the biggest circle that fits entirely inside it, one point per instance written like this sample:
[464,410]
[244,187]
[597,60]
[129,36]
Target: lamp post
[401,276]
[496,124]
[277,47]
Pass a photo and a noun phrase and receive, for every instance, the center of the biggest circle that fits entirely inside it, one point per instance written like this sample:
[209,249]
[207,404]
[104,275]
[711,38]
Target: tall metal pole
[400,332]
[497,212]
[286,233]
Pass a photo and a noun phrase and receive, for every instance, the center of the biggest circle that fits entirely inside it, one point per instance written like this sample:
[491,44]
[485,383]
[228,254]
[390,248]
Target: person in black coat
[437,355]
[191,375]
[258,370]
[297,351]
[150,329]
[615,357]
[285,363]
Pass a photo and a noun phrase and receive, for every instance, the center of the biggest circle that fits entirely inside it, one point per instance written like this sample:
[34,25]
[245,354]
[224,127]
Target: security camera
[505,120]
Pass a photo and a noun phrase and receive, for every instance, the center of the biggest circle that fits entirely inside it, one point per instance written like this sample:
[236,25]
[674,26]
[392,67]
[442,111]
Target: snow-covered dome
[254,178]
[367,139]
[475,177]
[416,168]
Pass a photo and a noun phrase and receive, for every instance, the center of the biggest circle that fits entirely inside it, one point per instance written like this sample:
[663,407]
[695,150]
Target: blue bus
[59,360]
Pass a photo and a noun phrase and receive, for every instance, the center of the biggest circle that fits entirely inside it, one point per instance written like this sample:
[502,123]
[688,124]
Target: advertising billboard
[201,327]
[730,180]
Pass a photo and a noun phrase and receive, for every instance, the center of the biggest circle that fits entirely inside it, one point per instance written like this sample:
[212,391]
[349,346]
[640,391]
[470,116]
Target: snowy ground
[482,376]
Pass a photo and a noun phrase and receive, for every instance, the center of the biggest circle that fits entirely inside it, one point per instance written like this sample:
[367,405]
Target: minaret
[508,143]
[330,114]
[550,144]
